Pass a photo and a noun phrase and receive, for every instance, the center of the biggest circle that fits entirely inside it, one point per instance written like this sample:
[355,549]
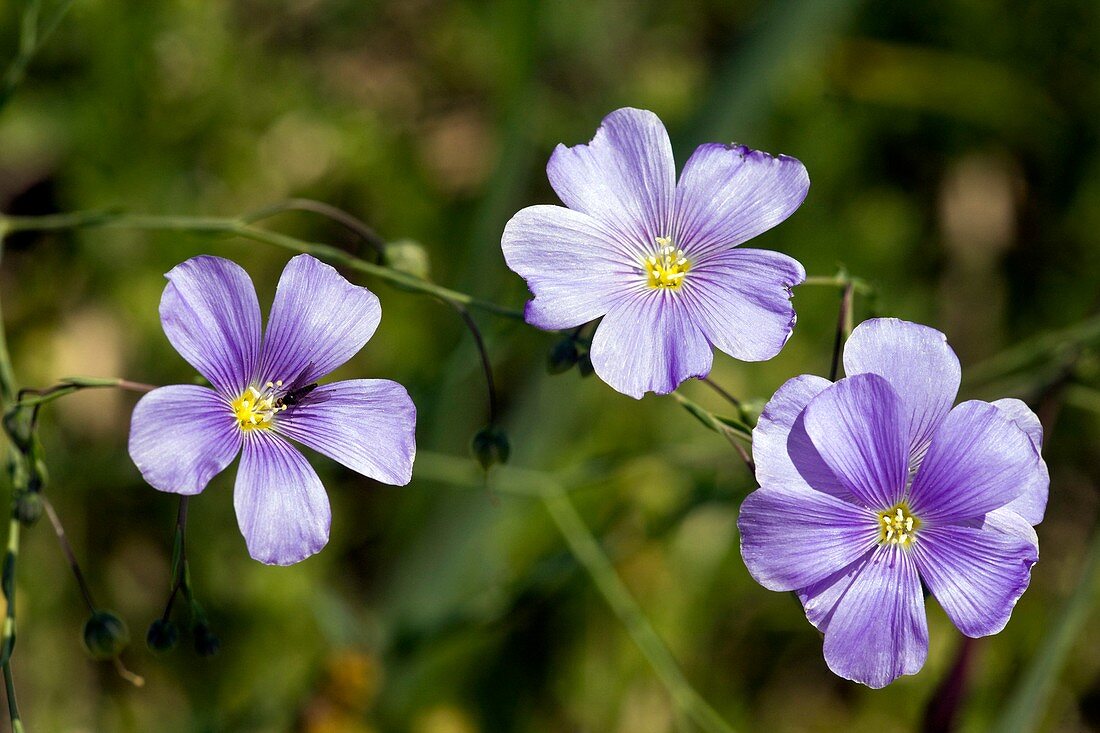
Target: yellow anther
[667,268]
[254,409]
[898,526]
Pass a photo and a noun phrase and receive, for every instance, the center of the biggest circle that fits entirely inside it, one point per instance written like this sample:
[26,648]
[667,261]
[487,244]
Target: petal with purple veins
[282,508]
[624,178]
[820,600]
[211,316]
[368,425]
[318,321]
[878,630]
[729,194]
[648,343]
[769,437]
[918,364]
[181,436]
[979,460]
[860,432]
[573,265]
[1031,504]
[741,300]
[976,575]
[793,537]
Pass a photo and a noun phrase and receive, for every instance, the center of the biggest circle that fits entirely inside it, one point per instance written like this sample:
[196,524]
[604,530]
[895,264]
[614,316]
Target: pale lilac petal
[783,552]
[741,300]
[878,630]
[729,194]
[211,316]
[858,427]
[1007,521]
[820,599]
[318,321]
[976,575]
[182,436]
[1031,504]
[572,264]
[368,425]
[979,460]
[282,508]
[918,364]
[647,343]
[769,437]
[624,178]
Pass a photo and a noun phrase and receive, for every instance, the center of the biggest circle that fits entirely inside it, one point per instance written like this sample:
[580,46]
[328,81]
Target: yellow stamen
[254,409]
[897,526]
[668,267]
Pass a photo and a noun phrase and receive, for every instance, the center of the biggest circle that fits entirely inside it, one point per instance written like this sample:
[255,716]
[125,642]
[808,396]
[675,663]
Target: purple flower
[266,392]
[875,484]
[657,259]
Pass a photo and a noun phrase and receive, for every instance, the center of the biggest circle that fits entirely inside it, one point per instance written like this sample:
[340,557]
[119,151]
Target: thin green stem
[591,556]
[241,228]
[68,385]
[70,554]
[843,329]
[31,38]
[350,222]
[840,280]
[736,432]
[7,586]
[13,706]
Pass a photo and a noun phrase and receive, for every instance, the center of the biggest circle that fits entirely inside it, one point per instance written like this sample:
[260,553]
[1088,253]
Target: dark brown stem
[67,550]
[724,394]
[843,329]
[352,223]
[486,366]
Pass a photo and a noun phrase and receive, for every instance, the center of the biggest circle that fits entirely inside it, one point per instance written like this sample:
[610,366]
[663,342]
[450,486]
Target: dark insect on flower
[294,396]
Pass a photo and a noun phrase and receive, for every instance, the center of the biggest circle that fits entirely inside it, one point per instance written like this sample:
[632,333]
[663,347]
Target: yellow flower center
[898,526]
[255,408]
[666,268]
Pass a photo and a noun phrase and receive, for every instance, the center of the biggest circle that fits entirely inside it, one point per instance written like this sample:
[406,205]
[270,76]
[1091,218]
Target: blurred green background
[954,159]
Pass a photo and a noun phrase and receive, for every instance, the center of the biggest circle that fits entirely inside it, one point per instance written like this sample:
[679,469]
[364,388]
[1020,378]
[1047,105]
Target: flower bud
[162,635]
[409,257]
[28,507]
[105,635]
[490,446]
[207,642]
[563,356]
[584,365]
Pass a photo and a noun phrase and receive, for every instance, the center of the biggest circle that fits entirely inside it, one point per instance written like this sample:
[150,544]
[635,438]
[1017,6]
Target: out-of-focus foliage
[955,162]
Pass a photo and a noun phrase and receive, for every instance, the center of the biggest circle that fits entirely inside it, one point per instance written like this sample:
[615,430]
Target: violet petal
[625,177]
[318,321]
[181,436]
[859,430]
[976,575]
[979,460]
[741,300]
[282,508]
[728,194]
[368,425]
[879,631]
[211,316]
[917,362]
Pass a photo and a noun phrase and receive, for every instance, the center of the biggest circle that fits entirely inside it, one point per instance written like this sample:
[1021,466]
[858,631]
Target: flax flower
[658,260]
[875,484]
[265,394]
